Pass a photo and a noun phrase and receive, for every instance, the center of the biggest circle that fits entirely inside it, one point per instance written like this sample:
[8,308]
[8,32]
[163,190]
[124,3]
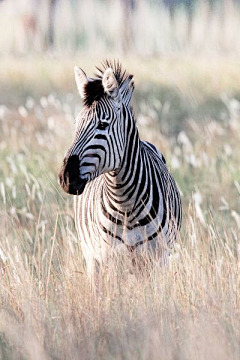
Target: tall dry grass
[48,309]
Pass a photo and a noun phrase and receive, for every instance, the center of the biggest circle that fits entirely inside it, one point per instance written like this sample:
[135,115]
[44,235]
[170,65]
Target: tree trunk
[189,4]
[129,7]
[51,23]
[171,5]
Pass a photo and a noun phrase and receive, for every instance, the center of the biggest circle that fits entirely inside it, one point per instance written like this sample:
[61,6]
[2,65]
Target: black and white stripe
[127,200]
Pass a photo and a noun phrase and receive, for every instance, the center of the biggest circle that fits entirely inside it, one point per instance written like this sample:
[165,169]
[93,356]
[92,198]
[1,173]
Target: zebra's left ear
[81,80]
[110,84]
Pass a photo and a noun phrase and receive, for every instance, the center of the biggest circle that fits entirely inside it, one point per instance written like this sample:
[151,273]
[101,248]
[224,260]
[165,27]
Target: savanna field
[184,55]
[190,109]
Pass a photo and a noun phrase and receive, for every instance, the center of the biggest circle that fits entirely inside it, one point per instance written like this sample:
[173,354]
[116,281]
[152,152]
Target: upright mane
[94,90]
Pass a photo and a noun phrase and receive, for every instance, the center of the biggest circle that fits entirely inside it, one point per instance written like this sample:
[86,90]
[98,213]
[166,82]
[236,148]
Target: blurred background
[142,27]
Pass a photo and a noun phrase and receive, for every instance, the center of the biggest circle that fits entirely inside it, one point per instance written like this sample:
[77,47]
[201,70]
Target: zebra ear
[110,84]
[81,80]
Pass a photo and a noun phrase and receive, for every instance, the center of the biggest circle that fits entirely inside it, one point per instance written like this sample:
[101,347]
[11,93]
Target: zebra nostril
[60,178]
[69,174]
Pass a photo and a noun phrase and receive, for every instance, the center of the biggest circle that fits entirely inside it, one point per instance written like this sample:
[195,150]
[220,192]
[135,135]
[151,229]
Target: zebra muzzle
[68,177]
[77,187]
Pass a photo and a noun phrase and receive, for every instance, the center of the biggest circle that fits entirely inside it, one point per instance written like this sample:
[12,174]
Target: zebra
[125,199]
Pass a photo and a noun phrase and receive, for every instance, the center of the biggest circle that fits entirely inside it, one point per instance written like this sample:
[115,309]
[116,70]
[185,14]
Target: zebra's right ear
[110,84]
[81,80]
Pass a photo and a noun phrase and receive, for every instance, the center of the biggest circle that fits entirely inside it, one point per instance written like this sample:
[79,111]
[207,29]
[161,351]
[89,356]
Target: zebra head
[101,127]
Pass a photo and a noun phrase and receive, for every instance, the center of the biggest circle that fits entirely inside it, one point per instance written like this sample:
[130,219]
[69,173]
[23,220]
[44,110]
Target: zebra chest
[117,230]
[101,227]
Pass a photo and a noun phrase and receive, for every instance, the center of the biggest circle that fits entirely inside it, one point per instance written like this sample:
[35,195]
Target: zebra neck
[122,189]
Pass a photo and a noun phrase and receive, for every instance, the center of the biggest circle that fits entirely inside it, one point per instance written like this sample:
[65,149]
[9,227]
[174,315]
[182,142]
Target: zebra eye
[102,125]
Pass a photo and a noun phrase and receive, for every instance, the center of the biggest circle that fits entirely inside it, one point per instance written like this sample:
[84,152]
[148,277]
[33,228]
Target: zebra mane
[94,90]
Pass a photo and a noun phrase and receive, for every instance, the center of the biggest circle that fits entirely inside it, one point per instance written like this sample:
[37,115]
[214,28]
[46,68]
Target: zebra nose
[69,176]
